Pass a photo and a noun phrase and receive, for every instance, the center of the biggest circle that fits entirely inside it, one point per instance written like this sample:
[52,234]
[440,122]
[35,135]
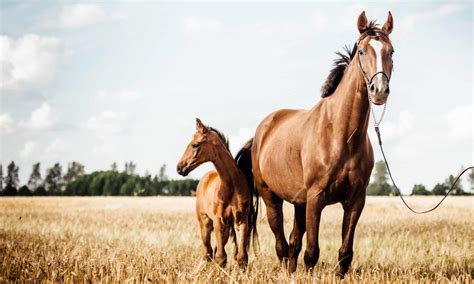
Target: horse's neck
[349,104]
[226,167]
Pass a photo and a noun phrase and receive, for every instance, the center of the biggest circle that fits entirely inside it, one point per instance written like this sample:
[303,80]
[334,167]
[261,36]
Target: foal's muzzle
[182,170]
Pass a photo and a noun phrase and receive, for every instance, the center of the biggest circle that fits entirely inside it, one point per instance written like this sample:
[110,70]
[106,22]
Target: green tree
[74,171]
[130,168]
[419,189]
[35,178]
[12,180]
[379,184]
[439,189]
[53,181]
[470,177]
[1,178]
[162,174]
[24,191]
[113,167]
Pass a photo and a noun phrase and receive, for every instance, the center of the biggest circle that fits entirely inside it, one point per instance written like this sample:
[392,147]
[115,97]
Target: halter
[368,83]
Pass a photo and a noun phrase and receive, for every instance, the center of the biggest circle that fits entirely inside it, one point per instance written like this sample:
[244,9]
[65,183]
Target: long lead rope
[377,130]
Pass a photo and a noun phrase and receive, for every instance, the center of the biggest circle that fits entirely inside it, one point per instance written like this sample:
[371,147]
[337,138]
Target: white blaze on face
[377,46]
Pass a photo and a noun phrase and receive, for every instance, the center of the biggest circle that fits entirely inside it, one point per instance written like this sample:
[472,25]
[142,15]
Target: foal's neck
[226,166]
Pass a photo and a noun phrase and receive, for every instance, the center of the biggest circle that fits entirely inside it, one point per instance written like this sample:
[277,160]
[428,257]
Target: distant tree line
[108,183]
[128,183]
[380,185]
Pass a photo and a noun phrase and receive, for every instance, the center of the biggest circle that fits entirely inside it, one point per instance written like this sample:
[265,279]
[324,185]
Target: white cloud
[28,149]
[460,122]
[27,62]
[121,96]
[41,118]
[192,24]
[80,15]
[107,122]
[6,122]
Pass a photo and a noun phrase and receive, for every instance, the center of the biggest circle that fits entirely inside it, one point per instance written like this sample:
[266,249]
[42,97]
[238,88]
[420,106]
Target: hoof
[221,261]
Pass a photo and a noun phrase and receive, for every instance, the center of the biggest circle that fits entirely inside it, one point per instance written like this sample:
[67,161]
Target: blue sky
[98,82]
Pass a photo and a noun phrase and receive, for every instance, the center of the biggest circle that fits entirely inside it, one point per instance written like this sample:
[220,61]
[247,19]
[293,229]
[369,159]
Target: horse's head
[201,149]
[374,53]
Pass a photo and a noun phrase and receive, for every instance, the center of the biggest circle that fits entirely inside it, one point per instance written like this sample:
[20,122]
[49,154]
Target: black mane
[336,73]
[344,59]
[221,136]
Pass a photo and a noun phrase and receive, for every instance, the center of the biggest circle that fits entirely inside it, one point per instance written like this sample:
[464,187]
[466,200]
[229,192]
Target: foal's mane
[222,137]
[344,59]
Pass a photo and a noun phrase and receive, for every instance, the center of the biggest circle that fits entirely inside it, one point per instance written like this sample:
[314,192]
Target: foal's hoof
[221,261]
[242,263]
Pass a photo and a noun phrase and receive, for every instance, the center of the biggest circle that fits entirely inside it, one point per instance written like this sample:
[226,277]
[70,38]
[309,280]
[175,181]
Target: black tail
[244,161]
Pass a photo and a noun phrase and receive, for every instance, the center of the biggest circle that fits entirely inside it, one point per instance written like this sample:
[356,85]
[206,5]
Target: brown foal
[317,157]
[223,195]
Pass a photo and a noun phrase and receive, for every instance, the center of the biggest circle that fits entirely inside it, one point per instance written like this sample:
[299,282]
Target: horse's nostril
[372,87]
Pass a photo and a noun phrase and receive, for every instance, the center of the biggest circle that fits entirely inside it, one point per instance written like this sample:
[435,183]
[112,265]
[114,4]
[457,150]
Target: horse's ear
[200,126]
[388,26]
[362,22]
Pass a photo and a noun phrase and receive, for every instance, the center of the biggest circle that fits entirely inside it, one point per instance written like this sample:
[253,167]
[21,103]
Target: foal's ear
[388,26]
[200,126]
[362,22]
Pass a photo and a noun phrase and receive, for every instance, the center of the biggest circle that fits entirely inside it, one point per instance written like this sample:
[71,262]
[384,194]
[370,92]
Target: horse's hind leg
[206,230]
[274,207]
[296,237]
[349,223]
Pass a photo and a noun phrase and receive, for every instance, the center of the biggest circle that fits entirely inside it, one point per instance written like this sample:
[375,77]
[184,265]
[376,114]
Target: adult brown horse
[317,157]
[223,195]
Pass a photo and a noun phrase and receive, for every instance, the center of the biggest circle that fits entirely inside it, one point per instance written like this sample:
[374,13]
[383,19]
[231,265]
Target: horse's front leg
[296,236]
[243,239]
[351,217]
[314,206]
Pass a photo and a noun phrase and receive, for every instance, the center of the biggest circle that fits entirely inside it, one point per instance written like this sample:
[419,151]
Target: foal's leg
[274,206]
[242,256]
[222,235]
[349,223]
[206,230]
[296,237]
[315,204]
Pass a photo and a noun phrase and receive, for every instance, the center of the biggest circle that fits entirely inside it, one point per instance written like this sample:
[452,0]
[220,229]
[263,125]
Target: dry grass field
[156,239]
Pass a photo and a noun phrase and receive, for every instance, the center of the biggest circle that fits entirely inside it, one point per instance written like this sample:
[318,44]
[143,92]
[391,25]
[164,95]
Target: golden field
[110,239]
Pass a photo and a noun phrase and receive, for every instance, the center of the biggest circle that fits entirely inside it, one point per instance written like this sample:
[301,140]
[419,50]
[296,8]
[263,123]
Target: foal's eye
[361,52]
[195,146]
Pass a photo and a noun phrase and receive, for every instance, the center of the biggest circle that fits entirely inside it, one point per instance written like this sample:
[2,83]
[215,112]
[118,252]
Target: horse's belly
[283,175]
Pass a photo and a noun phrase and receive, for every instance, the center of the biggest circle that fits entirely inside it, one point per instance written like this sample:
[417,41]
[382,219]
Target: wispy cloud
[79,15]
[27,62]
[6,122]
[107,122]
[42,118]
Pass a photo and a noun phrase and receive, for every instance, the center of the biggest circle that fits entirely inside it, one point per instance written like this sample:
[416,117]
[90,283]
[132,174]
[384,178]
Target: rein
[377,130]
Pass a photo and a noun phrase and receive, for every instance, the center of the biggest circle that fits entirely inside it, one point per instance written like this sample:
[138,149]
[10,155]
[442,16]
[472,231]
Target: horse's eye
[195,146]
[361,52]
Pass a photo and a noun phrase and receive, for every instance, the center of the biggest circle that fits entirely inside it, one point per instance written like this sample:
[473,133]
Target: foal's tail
[244,161]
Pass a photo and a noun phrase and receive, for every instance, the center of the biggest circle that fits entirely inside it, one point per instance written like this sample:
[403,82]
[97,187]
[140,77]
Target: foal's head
[374,53]
[204,147]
